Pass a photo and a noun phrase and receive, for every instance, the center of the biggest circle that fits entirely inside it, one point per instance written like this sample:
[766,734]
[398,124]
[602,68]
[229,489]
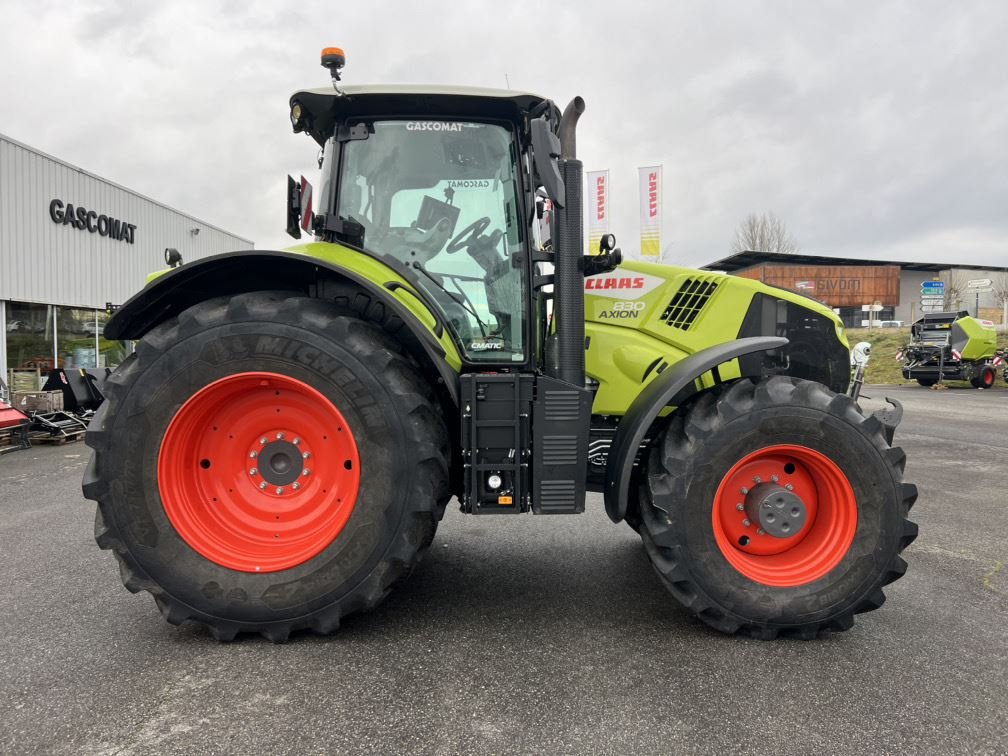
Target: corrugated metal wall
[43,261]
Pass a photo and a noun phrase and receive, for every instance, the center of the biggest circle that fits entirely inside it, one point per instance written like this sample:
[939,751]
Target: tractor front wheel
[266,463]
[776,508]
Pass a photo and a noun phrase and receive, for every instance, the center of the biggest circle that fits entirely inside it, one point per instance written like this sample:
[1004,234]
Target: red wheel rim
[988,378]
[258,472]
[828,531]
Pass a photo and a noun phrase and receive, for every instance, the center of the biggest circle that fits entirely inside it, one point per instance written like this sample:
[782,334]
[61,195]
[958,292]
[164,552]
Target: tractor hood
[323,106]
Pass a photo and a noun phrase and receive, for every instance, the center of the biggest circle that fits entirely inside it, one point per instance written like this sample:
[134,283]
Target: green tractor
[277,452]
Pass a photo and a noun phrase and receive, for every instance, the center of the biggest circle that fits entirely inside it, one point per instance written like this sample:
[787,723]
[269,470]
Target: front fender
[652,400]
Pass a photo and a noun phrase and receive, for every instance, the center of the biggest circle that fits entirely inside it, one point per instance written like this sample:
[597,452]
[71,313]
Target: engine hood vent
[688,302]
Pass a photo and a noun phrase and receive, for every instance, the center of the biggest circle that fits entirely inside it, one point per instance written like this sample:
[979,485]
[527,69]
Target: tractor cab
[437,183]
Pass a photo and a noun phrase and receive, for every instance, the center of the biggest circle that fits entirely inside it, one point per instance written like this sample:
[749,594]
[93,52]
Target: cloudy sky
[873,129]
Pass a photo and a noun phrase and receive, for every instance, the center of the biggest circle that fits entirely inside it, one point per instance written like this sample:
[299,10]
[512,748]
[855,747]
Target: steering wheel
[464,237]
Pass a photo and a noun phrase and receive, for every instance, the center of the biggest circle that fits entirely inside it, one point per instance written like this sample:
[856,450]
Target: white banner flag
[598,208]
[650,183]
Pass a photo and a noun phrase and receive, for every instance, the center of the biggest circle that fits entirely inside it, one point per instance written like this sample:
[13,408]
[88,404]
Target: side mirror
[544,217]
[607,243]
[541,198]
[293,208]
[546,150]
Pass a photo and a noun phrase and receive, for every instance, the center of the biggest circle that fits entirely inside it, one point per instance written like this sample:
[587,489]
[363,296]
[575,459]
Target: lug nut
[305,455]
[280,436]
[306,471]
[760,531]
[746,522]
[757,479]
[744,490]
[740,507]
[774,478]
[279,490]
[297,442]
[263,440]
[252,472]
[295,485]
[262,486]
[253,455]
[789,487]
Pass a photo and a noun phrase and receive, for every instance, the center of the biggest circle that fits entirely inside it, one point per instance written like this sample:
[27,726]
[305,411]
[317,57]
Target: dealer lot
[521,635]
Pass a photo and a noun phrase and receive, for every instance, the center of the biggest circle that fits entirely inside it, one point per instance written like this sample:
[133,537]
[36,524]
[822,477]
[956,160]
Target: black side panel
[561,420]
[496,410]
[813,352]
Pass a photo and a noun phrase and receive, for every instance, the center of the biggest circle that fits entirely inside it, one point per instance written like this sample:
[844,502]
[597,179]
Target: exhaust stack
[568,274]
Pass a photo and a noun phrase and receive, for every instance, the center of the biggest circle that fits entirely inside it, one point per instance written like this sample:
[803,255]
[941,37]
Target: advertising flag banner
[598,208]
[650,182]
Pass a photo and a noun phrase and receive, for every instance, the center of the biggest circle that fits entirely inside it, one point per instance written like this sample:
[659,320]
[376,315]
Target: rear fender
[657,395]
[257,270]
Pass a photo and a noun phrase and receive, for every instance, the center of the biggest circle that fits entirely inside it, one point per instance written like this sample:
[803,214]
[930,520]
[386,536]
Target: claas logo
[594,284]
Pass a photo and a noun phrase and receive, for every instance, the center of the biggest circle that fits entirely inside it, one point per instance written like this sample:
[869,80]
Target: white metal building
[71,243]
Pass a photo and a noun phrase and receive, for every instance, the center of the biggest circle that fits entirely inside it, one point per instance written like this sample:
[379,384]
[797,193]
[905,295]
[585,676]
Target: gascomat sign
[82,219]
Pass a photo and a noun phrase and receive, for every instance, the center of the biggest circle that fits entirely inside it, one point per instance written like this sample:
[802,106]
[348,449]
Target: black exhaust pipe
[568,273]
[568,128]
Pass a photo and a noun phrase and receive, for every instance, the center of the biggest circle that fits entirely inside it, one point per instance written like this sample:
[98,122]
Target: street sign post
[871,309]
[932,296]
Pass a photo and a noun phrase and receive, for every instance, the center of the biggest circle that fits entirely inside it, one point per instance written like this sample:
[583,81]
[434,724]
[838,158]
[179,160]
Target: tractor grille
[687,303]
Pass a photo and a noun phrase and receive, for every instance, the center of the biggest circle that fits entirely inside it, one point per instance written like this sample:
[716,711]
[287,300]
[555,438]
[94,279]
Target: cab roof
[325,107]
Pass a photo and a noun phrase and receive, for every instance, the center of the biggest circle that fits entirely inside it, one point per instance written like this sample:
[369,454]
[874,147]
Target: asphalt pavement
[521,634]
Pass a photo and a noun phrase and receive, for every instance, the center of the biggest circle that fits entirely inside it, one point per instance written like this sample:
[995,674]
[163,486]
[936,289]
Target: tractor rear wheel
[927,382]
[776,508]
[266,463]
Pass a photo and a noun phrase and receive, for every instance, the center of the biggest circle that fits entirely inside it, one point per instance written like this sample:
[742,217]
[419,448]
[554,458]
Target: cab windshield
[442,197]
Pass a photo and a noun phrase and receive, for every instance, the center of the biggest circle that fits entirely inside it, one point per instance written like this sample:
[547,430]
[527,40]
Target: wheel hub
[280,463]
[780,513]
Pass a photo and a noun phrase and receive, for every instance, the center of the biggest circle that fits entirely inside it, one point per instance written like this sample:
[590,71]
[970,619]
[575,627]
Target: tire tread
[677,451]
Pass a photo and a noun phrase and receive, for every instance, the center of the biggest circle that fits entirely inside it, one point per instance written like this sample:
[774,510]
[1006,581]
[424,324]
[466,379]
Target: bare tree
[763,233]
[955,285]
